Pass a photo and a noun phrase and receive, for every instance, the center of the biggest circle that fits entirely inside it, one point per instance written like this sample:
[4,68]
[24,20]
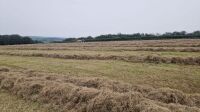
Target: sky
[76,18]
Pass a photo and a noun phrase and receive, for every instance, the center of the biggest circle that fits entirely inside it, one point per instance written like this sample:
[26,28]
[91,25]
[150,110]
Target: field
[121,76]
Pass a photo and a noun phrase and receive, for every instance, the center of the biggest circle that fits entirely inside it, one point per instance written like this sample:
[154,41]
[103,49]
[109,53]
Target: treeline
[137,36]
[15,39]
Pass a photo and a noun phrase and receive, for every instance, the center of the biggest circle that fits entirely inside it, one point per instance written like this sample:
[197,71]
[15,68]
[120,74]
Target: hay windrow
[69,94]
[148,58]
[4,69]
[141,43]
[110,48]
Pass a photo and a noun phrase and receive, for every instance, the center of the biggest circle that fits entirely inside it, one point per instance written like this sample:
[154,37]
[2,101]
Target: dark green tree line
[138,36]
[15,39]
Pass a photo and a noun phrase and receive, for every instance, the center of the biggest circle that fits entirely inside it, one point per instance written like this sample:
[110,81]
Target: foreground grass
[181,77]
[84,94]
[9,103]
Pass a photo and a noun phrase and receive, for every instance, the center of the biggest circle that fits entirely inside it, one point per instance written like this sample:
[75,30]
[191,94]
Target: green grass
[181,77]
[10,103]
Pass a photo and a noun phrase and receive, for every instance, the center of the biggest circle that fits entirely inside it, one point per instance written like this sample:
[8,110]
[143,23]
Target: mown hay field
[122,76]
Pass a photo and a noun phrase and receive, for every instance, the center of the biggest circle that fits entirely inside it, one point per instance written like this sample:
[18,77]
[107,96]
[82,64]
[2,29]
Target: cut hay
[76,94]
[149,58]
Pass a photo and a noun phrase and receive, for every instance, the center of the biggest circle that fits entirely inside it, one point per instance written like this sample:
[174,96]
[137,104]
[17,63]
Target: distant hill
[47,39]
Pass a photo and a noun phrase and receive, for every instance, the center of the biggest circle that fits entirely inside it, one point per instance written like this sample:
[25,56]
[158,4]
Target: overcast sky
[75,18]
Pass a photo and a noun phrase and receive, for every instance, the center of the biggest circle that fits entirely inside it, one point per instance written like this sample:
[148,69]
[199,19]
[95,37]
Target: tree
[14,39]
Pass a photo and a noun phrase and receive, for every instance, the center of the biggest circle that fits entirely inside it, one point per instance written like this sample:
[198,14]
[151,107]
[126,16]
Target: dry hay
[88,94]
[139,43]
[109,48]
[149,58]
[156,49]
[174,60]
[4,69]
